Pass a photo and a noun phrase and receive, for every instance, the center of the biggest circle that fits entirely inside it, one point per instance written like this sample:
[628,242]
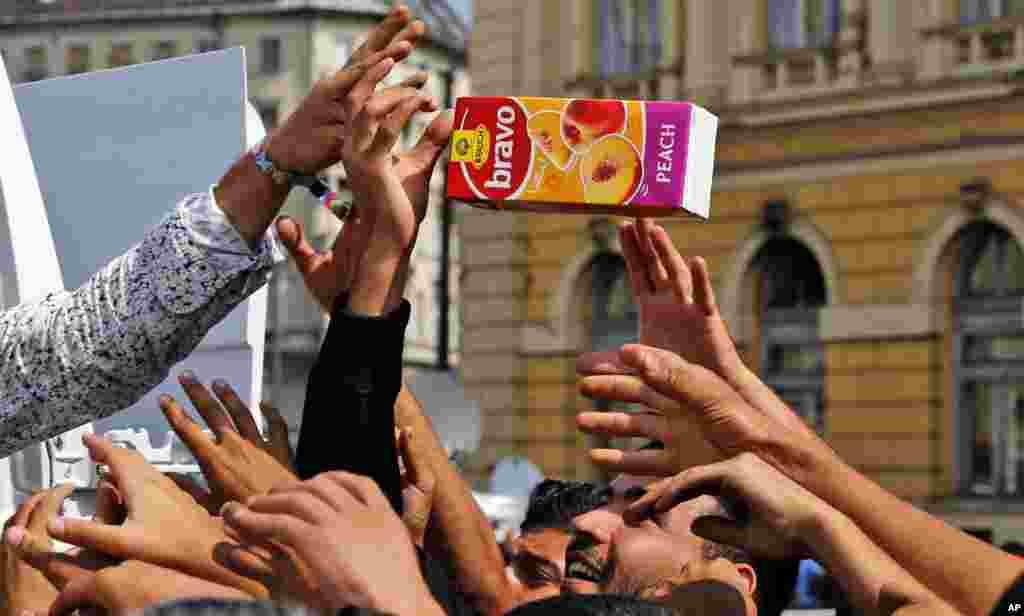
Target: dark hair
[554,503]
[1013,547]
[706,598]
[591,605]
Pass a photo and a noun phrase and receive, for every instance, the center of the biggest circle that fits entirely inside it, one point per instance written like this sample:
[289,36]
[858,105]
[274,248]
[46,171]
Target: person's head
[571,604]
[537,556]
[654,556]
[705,598]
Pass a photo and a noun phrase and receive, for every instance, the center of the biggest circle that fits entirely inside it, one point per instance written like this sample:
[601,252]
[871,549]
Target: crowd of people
[369,513]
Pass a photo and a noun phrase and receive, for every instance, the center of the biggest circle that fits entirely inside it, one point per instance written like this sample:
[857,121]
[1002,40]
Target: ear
[749,577]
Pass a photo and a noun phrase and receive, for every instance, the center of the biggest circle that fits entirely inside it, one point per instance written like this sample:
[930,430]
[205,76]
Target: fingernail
[229,509]
[15,535]
[56,525]
[165,400]
[220,385]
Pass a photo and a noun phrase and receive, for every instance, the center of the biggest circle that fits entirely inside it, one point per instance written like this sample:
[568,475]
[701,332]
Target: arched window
[614,321]
[789,288]
[988,361]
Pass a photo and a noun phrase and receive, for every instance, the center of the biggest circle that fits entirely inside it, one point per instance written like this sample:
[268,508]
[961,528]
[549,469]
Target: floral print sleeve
[75,356]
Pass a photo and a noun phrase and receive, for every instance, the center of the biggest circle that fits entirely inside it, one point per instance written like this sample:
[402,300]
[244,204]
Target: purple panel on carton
[667,134]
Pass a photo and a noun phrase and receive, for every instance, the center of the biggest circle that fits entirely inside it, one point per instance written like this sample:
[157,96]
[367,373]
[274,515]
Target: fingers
[649,462]
[109,504]
[191,433]
[24,511]
[390,129]
[238,410]
[198,494]
[656,271]
[268,527]
[48,507]
[384,33]
[302,252]
[703,290]
[339,85]
[208,406]
[418,473]
[119,541]
[361,92]
[625,425]
[723,530]
[680,278]
[81,593]
[243,561]
[602,362]
[277,434]
[298,503]
[127,467]
[672,376]
[362,488]
[636,264]
[626,388]
[31,546]
[433,142]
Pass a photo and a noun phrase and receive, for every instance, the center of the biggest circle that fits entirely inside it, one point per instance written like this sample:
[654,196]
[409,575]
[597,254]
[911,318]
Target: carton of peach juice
[633,158]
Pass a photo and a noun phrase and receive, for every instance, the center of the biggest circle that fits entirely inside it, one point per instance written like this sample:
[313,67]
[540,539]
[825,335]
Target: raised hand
[163,525]
[691,401]
[238,463]
[25,588]
[772,515]
[311,139]
[337,543]
[132,586]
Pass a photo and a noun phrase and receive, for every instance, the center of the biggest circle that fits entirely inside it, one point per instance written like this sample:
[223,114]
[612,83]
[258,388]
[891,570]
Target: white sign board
[113,152]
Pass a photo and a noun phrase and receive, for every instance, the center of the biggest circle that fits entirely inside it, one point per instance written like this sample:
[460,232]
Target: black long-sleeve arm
[348,421]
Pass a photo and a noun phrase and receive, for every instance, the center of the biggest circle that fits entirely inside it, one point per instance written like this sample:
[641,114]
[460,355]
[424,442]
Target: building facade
[289,46]
[865,237]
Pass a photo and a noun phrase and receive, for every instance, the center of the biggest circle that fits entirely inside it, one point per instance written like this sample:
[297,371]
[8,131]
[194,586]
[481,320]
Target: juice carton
[631,158]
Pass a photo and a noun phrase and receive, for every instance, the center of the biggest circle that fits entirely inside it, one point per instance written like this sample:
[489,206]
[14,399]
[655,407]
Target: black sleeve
[1012,601]
[348,420]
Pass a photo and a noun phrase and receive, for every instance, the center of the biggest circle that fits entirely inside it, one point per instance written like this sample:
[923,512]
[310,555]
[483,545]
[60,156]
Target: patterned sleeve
[75,356]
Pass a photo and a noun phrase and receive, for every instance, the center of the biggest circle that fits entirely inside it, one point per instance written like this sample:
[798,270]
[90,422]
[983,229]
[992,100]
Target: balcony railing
[992,47]
[14,10]
[794,72]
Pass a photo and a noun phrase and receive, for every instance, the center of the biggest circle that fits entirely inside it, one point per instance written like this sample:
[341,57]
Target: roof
[446,29]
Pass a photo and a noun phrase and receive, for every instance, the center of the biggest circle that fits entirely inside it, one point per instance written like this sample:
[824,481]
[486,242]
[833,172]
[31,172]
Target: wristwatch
[315,184]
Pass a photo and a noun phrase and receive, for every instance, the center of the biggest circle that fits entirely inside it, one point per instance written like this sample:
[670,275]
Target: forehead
[550,542]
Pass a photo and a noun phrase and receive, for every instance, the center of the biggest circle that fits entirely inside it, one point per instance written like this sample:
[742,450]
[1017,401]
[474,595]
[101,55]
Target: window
[165,50]
[343,47]
[37,64]
[270,55]
[76,59]
[629,36]
[122,54]
[989,361]
[790,289]
[207,45]
[980,11]
[796,24]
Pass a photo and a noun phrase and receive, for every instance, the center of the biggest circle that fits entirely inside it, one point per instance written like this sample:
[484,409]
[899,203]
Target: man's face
[538,563]
[606,555]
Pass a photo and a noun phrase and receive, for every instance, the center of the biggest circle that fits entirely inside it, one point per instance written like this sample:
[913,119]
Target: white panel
[114,152]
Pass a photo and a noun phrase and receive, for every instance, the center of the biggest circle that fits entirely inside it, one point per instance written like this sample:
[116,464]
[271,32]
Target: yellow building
[865,234]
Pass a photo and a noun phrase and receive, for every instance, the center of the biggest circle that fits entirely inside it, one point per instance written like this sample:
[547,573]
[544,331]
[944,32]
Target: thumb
[434,140]
[32,547]
[723,530]
[291,234]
